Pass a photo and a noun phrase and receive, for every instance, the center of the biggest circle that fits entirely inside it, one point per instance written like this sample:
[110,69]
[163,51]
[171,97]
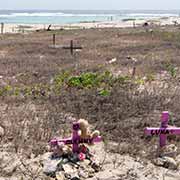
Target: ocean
[77,16]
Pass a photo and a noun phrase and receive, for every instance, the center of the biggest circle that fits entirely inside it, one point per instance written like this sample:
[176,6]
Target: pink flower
[81,156]
[83,149]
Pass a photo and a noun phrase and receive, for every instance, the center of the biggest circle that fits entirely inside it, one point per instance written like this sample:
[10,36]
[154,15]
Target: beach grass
[40,84]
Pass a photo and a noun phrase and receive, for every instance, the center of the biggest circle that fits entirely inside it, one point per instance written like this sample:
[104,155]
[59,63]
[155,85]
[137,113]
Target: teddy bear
[85,131]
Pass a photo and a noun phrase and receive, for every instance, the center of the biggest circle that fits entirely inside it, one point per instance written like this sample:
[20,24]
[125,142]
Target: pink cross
[75,140]
[164,130]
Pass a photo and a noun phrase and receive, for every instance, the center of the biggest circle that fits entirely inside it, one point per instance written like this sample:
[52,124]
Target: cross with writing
[164,130]
[72,47]
[75,140]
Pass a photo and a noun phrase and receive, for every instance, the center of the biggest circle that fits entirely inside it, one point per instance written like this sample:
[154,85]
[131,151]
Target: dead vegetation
[33,109]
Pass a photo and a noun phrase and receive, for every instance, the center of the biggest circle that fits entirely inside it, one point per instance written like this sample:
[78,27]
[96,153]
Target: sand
[29,61]
[16,28]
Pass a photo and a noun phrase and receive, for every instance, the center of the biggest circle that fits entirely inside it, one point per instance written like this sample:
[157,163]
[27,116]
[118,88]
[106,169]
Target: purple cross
[164,130]
[75,140]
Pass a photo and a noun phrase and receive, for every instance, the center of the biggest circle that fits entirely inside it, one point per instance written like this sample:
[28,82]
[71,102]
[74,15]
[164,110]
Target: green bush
[75,81]
[87,80]
[104,92]
[171,69]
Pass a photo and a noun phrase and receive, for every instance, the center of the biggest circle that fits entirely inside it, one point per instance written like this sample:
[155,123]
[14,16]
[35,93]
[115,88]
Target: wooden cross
[75,140]
[72,47]
[2,28]
[164,129]
[54,39]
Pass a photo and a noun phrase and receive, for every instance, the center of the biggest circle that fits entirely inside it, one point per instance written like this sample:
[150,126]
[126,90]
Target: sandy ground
[15,28]
[28,60]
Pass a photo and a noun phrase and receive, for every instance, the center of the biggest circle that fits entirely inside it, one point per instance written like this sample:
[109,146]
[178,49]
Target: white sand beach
[19,28]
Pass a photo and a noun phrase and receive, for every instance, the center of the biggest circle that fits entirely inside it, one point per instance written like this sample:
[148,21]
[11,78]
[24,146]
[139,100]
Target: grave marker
[134,24]
[2,28]
[133,71]
[49,28]
[75,140]
[54,40]
[164,130]
[72,47]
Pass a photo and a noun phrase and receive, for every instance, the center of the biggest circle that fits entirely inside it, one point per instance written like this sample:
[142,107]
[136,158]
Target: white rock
[10,178]
[105,175]
[169,151]
[9,163]
[170,163]
[1,132]
[68,169]
[60,175]
[50,166]
[159,162]
[85,163]
[83,174]
[112,60]
[178,161]
[166,162]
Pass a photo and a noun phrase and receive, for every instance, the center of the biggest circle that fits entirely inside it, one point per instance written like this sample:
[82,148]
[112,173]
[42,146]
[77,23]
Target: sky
[90,4]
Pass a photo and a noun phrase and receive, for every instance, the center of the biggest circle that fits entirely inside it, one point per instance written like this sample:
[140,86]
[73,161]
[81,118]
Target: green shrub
[171,69]
[60,78]
[150,77]
[75,81]
[104,92]
[6,90]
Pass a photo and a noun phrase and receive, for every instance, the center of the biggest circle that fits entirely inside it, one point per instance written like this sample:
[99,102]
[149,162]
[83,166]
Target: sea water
[78,16]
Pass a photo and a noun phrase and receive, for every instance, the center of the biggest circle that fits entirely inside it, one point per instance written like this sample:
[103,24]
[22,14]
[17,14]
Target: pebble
[166,162]
[60,175]
[1,132]
[169,150]
[50,166]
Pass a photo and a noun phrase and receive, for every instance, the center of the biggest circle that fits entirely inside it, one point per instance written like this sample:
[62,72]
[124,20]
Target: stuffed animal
[85,130]
[59,148]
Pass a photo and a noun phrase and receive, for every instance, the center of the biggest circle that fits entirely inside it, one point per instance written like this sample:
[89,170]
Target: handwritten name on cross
[75,140]
[164,129]
[72,47]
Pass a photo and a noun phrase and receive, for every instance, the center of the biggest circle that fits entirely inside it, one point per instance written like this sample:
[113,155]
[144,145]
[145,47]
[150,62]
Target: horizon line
[90,9]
